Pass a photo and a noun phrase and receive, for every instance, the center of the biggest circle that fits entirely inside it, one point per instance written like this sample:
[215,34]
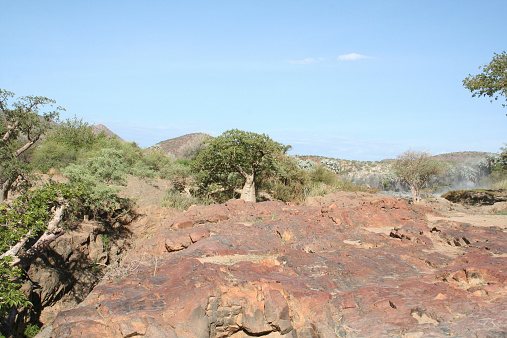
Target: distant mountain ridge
[183,146]
[102,128]
[463,156]
[179,146]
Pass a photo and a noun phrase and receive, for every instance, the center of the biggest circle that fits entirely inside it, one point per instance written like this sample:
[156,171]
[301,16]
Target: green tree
[32,221]
[287,182]
[28,225]
[65,143]
[234,162]
[416,169]
[22,124]
[492,81]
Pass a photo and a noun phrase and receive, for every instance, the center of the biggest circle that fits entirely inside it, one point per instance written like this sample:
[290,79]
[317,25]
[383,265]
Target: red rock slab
[273,270]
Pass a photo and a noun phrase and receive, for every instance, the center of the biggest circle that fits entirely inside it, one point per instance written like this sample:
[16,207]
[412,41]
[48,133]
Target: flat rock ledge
[356,265]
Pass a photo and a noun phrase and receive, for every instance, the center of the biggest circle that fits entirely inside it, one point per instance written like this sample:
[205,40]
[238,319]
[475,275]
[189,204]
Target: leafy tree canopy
[234,161]
[22,124]
[492,81]
[416,169]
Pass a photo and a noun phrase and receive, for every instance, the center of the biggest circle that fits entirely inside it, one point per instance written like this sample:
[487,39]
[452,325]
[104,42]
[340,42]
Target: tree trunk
[4,190]
[416,194]
[53,231]
[248,191]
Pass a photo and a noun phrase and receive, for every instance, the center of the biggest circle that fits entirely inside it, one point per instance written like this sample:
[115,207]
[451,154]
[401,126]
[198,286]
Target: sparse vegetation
[416,169]
[31,330]
[177,200]
[236,164]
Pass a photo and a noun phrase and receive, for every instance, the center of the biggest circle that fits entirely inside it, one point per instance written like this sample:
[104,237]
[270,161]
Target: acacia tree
[416,169]
[21,126]
[234,162]
[492,81]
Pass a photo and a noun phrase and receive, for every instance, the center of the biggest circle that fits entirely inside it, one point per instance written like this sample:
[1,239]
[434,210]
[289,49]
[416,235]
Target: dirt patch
[233,259]
[145,191]
[474,220]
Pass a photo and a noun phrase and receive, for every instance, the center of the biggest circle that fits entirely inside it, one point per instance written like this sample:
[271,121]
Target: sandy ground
[475,220]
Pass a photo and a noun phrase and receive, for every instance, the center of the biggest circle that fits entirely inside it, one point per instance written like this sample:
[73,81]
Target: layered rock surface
[353,265]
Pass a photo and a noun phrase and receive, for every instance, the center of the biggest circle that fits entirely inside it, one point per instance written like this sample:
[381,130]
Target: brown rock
[329,270]
[177,242]
[198,234]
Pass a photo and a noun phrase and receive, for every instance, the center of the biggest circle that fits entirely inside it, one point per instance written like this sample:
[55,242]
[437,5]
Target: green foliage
[143,170]
[492,81]
[416,169]
[28,213]
[177,200]
[103,201]
[498,177]
[234,161]
[66,143]
[73,133]
[10,295]
[499,164]
[109,167]
[21,125]
[31,330]
[32,211]
[180,173]
[105,241]
[321,174]
[286,182]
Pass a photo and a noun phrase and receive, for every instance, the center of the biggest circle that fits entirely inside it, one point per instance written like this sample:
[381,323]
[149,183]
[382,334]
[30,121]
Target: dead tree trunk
[53,231]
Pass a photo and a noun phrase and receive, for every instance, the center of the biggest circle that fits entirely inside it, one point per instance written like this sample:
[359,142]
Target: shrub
[174,199]
[143,170]
[31,330]
[322,174]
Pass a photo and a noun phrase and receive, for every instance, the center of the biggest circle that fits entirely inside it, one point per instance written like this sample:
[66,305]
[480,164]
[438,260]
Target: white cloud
[307,61]
[352,57]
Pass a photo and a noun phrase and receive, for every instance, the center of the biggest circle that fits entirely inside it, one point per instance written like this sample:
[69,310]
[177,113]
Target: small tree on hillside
[234,161]
[64,144]
[416,169]
[21,127]
[492,81]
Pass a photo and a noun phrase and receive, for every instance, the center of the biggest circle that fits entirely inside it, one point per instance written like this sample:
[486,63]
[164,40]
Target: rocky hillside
[102,128]
[184,146]
[462,157]
[348,265]
[466,169]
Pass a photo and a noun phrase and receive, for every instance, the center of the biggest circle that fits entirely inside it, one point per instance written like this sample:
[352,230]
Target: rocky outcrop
[476,196]
[66,273]
[351,265]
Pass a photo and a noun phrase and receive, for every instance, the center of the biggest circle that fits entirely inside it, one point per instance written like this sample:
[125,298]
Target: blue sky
[358,80]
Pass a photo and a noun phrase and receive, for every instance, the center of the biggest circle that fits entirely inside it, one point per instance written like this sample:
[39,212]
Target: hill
[102,128]
[183,146]
[463,156]
[466,169]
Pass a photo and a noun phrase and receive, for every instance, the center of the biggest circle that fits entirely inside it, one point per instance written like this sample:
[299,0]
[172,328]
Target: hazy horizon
[344,79]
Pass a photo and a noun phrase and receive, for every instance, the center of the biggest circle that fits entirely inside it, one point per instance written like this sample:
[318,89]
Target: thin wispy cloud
[307,61]
[352,57]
